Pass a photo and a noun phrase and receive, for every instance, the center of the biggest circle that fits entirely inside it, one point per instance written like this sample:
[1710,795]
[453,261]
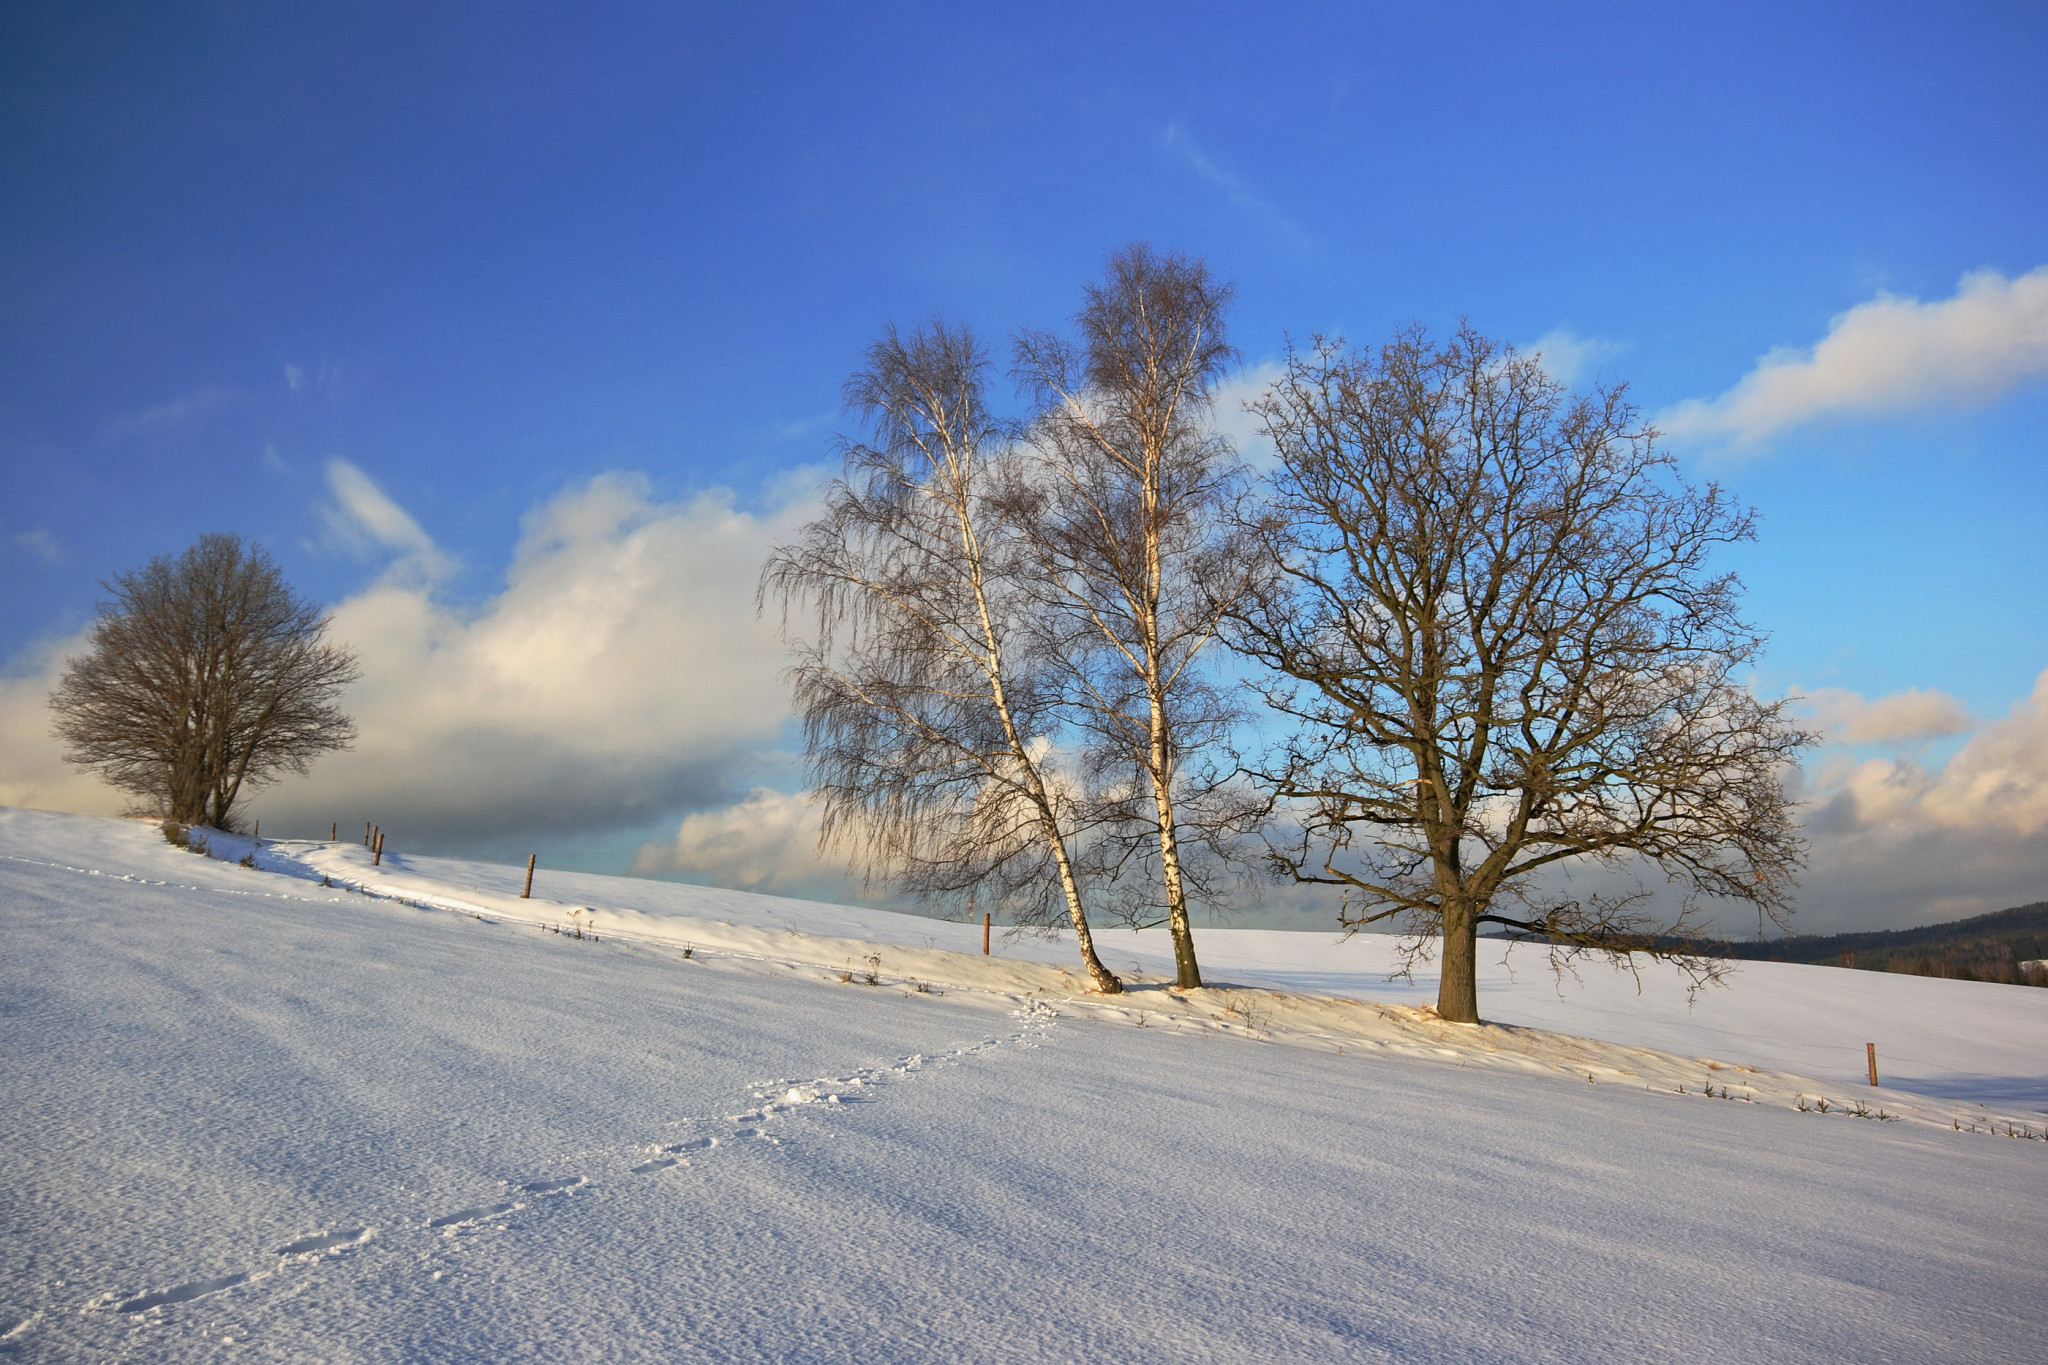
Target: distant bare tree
[1505,647]
[1131,520]
[928,715]
[206,676]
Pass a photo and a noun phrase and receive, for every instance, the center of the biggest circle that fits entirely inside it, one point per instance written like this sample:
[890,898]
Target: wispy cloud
[176,413]
[327,375]
[364,521]
[38,543]
[1235,188]
[1888,357]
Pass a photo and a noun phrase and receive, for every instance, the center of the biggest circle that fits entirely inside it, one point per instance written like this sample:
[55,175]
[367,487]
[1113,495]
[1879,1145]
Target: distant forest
[2007,946]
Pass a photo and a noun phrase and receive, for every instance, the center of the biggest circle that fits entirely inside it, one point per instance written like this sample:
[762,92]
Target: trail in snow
[775,1103]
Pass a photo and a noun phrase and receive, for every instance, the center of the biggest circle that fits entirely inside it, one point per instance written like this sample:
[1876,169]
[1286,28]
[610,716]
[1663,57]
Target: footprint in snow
[325,1241]
[183,1293]
[552,1186]
[482,1211]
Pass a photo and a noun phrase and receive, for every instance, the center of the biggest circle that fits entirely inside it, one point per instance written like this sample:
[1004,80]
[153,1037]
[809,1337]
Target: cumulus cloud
[620,675]
[33,772]
[1998,780]
[1568,357]
[1850,718]
[1897,842]
[1227,414]
[768,843]
[1888,356]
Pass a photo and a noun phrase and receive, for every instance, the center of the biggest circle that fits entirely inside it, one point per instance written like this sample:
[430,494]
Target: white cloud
[1233,186]
[768,843]
[1998,780]
[33,772]
[1897,843]
[175,413]
[1229,418]
[364,521]
[1886,357]
[38,542]
[1850,718]
[1568,357]
[621,674]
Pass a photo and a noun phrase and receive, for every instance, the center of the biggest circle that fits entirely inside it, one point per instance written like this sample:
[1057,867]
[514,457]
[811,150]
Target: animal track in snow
[773,1100]
[183,1293]
[325,1241]
[477,1214]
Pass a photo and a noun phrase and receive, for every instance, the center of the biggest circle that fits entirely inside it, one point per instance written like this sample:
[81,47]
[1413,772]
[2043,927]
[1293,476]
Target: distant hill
[1985,948]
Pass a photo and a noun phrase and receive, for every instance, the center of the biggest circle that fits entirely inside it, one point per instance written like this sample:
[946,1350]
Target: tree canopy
[206,677]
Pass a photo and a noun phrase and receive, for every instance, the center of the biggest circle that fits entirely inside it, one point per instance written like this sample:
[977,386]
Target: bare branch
[206,677]
[1497,629]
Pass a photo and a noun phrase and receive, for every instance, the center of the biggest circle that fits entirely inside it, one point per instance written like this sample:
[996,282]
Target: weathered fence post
[1871,1050]
[527,894]
[984,932]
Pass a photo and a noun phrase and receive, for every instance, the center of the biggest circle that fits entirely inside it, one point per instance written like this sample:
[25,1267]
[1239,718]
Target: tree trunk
[1457,996]
[1187,973]
[1106,982]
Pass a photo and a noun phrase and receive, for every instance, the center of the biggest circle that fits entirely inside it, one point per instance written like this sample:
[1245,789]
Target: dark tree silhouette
[1496,625]
[206,677]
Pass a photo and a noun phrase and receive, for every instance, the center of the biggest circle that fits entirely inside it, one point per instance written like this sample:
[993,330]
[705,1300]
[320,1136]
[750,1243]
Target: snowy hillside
[252,1116]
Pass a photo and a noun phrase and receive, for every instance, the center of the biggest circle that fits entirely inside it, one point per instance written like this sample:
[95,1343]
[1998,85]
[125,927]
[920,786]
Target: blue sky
[555,279]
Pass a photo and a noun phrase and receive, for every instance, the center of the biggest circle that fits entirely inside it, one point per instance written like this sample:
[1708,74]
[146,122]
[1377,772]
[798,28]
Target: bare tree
[1138,556]
[929,718]
[206,676]
[1499,631]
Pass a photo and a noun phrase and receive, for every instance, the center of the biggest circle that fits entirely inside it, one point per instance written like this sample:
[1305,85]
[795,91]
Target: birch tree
[929,717]
[1496,623]
[206,677]
[1130,520]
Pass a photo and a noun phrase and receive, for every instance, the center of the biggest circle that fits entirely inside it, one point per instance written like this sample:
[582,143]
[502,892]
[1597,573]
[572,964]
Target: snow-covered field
[250,1116]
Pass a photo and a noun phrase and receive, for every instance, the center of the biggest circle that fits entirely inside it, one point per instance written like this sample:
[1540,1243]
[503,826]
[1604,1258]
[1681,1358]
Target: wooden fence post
[378,848]
[333,830]
[258,835]
[1871,1050]
[366,834]
[527,894]
[984,933]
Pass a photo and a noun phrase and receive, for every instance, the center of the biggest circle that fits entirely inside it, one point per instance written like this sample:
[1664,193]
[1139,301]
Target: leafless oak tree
[1498,629]
[206,677]
[929,716]
[1138,554]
